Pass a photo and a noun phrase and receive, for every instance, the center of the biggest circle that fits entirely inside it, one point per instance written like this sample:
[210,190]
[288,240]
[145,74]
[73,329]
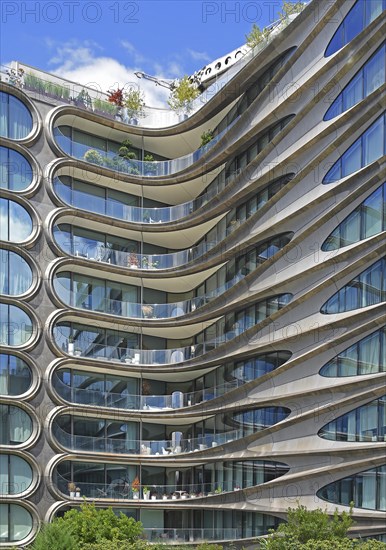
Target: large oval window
[15,425]
[16,523]
[15,475]
[15,120]
[15,222]
[15,375]
[15,325]
[15,274]
[15,170]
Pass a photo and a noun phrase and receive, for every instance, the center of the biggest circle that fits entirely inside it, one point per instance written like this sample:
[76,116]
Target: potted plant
[154,497]
[132,261]
[182,96]
[77,352]
[135,487]
[206,137]
[71,489]
[236,487]
[71,346]
[94,157]
[149,166]
[83,99]
[104,107]
[147,311]
[164,496]
[218,490]
[116,98]
[77,492]
[146,493]
[34,83]
[135,104]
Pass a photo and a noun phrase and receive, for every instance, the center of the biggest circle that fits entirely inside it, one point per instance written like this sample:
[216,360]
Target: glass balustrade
[123,490]
[162,447]
[133,167]
[137,214]
[178,536]
[131,310]
[123,400]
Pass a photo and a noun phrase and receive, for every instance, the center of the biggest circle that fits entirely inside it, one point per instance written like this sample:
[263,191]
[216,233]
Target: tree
[256,36]
[316,530]
[54,536]
[290,8]
[182,95]
[92,525]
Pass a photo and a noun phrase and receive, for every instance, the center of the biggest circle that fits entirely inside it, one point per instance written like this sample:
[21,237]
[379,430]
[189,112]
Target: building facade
[195,335]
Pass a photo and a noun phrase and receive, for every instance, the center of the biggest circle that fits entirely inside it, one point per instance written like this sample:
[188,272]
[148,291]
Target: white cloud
[199,56]
[82,63]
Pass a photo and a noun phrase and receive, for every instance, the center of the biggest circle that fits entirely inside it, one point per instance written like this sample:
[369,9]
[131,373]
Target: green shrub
[55,536]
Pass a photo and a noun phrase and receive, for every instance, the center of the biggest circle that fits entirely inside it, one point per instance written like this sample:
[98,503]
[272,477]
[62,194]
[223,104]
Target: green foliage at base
[316,530]
[55,536]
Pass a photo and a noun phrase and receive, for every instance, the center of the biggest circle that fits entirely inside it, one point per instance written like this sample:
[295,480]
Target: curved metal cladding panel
[198,329]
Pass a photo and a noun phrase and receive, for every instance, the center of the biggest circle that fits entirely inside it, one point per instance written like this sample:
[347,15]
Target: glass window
[365,357]
[16,425]
[358,18]
[15,118]
[367,288]
[365,423]
[15,523]
[15,475]
[15,170]
[15,325]
[366,489]
[15,375]
[15,273]
[365,150]
[15,222]
[366,220]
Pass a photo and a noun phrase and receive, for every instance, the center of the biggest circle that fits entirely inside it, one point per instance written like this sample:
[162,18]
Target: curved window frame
[367,356]
[11,215]
[15,425]
[14,166]
[13,273]
[356,90]
[365,221]
[366,289]
[364,424]
[10,365]
[353,489]
[360,153]
[11,523]
[10,128]
[355,21]
[11,474]
[9,327]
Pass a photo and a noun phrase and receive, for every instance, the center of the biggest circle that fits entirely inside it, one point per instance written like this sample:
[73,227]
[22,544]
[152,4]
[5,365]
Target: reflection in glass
[15,222]
[15,273]
[369,147]
[15,325]
[15,170]
[365,423]
[15,375]
[15,523]
[15,475]
[366,289]
[368,356]
[366,490]
[15,425]
[15,118]
[368,219]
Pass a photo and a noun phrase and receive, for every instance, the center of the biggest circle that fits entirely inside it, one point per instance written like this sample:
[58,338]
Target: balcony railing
[176,400]
[128,446]
[121,489]
[131,310]
[179,536]
[113,161]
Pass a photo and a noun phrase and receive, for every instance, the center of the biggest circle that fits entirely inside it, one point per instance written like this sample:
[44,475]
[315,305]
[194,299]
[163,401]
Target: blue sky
[105,41]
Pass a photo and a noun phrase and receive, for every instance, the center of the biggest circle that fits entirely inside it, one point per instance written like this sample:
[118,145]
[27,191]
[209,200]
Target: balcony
[176,400]
[149,169]
[156,448]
